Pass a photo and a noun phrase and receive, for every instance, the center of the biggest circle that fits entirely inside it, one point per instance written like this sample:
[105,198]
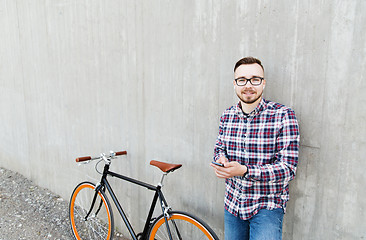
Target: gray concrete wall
[152,77]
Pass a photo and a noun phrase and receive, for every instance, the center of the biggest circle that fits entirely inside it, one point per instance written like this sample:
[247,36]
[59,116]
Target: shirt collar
[261,106]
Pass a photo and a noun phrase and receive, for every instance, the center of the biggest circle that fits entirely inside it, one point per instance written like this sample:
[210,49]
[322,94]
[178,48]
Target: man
[258,144]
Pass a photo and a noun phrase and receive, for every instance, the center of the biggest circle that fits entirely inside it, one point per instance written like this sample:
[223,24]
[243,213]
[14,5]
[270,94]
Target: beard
[249,100]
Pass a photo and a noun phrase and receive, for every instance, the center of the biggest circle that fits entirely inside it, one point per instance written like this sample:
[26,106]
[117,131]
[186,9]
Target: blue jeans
[265,225]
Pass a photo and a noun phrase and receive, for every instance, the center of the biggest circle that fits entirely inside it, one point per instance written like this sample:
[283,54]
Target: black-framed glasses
[255,81]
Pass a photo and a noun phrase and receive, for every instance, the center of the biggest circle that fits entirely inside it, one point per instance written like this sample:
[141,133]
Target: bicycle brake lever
[82,163]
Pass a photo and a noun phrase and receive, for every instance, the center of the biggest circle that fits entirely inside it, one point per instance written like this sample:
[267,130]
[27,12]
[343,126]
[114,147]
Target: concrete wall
[152,77]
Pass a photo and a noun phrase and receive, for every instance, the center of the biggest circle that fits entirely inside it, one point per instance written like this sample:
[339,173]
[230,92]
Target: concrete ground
[30,212]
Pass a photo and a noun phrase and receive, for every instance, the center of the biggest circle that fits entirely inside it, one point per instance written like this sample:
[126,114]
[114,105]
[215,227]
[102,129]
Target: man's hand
[230,169]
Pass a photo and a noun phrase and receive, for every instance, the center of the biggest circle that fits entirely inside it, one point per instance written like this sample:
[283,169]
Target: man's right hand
[222,160]
[230,169]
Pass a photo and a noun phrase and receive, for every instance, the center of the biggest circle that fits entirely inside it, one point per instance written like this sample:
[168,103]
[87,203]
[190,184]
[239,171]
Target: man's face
[249,94]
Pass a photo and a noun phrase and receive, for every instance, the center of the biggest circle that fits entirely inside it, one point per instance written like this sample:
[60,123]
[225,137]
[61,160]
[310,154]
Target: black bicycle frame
[158,195]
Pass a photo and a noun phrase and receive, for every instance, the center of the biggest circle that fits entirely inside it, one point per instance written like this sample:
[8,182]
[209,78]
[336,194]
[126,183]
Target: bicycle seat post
[160,184]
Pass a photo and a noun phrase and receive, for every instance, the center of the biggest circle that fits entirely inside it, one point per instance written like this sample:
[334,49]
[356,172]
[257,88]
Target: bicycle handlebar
[112,154]
[121,153]
[82,159]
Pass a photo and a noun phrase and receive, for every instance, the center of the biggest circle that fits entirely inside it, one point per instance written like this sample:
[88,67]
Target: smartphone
[218,164]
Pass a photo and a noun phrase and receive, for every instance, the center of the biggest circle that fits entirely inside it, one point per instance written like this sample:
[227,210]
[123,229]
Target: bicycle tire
[100,223]
[182,226]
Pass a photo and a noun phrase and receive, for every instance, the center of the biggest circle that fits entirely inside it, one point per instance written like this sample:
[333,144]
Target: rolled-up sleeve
[283,169]
[220,149]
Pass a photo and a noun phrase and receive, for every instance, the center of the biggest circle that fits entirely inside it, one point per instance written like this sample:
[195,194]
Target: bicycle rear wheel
[99,224]
[182,226]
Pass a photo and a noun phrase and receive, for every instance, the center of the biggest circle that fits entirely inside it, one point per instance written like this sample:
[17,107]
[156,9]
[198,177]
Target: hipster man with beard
[258,145]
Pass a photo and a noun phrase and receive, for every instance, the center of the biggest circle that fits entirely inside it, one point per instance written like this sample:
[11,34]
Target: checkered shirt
[267,142]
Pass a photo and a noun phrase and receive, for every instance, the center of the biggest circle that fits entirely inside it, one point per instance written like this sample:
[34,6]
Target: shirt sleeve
[220,149]
[284,167]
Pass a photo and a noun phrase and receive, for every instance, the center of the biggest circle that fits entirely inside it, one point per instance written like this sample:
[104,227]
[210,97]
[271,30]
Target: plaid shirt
[267,142]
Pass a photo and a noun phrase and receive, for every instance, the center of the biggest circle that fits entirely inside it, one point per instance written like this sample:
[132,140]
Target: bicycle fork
[97,188]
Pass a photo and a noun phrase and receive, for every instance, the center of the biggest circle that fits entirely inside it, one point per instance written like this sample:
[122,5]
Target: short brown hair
[248,60]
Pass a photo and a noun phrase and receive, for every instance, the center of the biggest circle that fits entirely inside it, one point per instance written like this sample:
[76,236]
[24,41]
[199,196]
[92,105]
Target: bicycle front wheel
[182,226]
[99,224]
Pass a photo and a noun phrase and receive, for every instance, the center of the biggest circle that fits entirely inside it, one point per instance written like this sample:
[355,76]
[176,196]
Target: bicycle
[91,215]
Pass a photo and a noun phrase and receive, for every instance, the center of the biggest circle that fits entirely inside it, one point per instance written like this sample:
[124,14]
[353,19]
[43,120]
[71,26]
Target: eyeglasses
[255,81]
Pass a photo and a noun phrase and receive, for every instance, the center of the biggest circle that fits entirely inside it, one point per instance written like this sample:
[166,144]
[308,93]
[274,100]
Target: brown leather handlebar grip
[82,159]
[121,153]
